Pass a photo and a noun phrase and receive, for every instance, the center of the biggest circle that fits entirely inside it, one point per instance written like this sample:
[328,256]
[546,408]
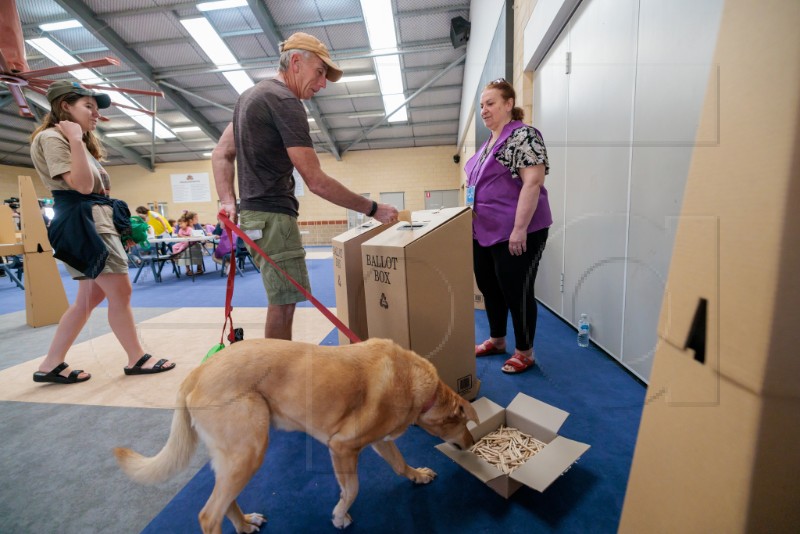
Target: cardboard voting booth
[534,418]
[715,446]
[348,275]
[418,290]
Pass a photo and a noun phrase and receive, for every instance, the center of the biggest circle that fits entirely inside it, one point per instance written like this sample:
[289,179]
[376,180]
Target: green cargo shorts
[278,235]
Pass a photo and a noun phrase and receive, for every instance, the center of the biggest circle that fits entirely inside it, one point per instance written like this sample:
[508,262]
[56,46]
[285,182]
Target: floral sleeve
[524,148]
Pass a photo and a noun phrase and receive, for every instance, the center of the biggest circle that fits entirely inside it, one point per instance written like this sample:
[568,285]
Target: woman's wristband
[374,209]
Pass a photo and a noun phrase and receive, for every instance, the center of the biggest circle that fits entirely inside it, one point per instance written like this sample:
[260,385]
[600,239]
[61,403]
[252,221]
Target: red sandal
[487,348]
[519,362]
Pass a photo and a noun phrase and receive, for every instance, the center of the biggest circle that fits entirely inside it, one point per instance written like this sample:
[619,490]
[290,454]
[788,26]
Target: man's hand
[229,207]
[386,213]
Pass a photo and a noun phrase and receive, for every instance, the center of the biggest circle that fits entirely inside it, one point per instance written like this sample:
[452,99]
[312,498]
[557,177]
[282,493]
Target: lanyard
[481,162]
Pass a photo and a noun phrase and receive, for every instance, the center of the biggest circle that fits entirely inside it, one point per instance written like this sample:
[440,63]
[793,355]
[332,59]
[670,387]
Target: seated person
[185,230]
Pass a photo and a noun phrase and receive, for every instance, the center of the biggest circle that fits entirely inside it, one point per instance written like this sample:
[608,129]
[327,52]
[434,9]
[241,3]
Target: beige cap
[304,41]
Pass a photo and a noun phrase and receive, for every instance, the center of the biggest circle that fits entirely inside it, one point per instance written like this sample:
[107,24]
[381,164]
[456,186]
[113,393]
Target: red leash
[230,227]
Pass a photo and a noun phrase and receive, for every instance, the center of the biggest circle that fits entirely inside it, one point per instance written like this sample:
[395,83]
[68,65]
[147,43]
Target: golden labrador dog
[346,397]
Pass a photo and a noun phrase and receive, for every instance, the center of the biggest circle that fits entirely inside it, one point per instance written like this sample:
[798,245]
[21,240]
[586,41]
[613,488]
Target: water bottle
[583,331]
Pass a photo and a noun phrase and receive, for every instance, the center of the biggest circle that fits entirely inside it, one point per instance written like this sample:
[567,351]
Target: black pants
[507,284]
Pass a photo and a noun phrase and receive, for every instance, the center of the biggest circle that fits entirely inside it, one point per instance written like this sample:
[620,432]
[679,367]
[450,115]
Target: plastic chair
[241,255]
[12,266]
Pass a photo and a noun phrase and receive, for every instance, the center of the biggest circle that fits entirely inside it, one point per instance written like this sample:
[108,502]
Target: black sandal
[55,377]
[137,369]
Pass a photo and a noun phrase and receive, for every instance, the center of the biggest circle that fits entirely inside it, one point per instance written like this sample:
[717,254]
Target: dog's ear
[468,411]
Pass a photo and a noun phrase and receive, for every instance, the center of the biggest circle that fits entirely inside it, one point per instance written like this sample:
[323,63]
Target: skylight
[58,55]
[379,19]
[218,52]
[63,25]
[222,4]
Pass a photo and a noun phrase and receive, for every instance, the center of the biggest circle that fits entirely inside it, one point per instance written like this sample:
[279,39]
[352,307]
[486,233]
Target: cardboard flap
[490,415]
[535,417]
[479,467]
[548,464]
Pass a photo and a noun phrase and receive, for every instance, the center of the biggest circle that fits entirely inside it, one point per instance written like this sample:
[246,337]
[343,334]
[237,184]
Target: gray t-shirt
[267,120]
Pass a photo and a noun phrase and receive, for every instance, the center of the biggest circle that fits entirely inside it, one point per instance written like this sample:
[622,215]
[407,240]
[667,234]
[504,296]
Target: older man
[268,138]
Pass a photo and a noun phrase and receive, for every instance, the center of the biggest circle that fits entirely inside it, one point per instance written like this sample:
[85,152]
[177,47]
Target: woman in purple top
[505,187]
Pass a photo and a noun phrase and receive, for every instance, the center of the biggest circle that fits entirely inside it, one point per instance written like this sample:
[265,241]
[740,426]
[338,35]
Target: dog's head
[445,416]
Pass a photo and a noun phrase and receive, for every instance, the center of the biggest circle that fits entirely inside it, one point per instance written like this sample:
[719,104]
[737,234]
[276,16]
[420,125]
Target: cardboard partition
[711,455]
[8,230]
[417,279]
[348,275]
[753,295]
[535,418]
[45,299]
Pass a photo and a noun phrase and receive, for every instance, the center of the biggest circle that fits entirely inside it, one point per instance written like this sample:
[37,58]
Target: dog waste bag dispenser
[418,290]
[348,277]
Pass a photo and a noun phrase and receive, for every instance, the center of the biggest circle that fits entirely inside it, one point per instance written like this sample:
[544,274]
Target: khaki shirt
[51,157]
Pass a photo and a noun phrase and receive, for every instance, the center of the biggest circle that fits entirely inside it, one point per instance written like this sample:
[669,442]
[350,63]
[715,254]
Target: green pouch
[215,349]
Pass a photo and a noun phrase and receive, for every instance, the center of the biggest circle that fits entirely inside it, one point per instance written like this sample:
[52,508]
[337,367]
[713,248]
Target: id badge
[470,195]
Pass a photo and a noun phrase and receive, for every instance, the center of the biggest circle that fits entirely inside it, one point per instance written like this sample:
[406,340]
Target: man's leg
[279,321]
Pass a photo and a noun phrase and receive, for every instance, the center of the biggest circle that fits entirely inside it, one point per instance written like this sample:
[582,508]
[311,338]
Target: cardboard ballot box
[417,284]
[349,277]
[532,417]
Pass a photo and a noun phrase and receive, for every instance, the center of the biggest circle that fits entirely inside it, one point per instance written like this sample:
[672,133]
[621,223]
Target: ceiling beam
[118,46]
[409,99]
[267,23]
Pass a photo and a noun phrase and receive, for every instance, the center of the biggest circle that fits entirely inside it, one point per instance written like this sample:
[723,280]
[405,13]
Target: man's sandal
[55,377]
[519,363]
[159,367]
[487,348]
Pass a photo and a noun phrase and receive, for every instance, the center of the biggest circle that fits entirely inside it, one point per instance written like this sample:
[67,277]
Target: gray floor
[57,472]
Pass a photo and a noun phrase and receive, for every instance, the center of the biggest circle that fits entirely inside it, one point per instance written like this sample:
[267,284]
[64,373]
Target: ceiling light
[379,19]
[357,78]
[218,52]
[186,129]
[63,25]
[222,4]
[59,56]
[366,114]
[119,134]
[207,154]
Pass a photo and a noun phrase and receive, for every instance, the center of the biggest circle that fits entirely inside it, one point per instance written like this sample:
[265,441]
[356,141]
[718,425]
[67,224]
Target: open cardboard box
[533,417]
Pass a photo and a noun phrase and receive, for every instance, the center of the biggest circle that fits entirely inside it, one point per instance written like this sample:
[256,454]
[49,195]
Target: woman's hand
[518,243]
[71,130]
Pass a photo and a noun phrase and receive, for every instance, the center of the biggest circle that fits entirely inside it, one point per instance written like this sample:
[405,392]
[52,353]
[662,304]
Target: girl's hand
[71,130]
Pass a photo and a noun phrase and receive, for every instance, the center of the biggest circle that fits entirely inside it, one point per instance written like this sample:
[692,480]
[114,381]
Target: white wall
[484,16]
[620,125]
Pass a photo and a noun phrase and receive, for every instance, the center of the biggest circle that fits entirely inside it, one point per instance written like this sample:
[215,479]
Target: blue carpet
[296,488]
[207,290]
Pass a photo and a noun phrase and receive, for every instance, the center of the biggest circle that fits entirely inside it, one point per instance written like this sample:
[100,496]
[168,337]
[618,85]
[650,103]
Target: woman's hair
[58,114]
[142,210]
[508,93]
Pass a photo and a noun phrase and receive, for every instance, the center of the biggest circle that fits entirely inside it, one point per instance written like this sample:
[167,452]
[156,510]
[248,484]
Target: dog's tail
[172,459]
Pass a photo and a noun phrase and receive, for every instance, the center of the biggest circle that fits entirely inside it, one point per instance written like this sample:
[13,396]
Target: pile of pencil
[507,448]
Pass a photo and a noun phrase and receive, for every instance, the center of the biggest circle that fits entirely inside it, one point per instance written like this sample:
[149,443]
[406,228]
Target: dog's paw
[422,475]
[252,522]
[342,522]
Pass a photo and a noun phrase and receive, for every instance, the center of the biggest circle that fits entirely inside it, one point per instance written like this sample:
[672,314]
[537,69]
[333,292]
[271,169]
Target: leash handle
[230,227]
[229,288]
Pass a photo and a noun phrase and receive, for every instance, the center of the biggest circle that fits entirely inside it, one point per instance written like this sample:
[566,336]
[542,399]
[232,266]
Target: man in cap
[268,138]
